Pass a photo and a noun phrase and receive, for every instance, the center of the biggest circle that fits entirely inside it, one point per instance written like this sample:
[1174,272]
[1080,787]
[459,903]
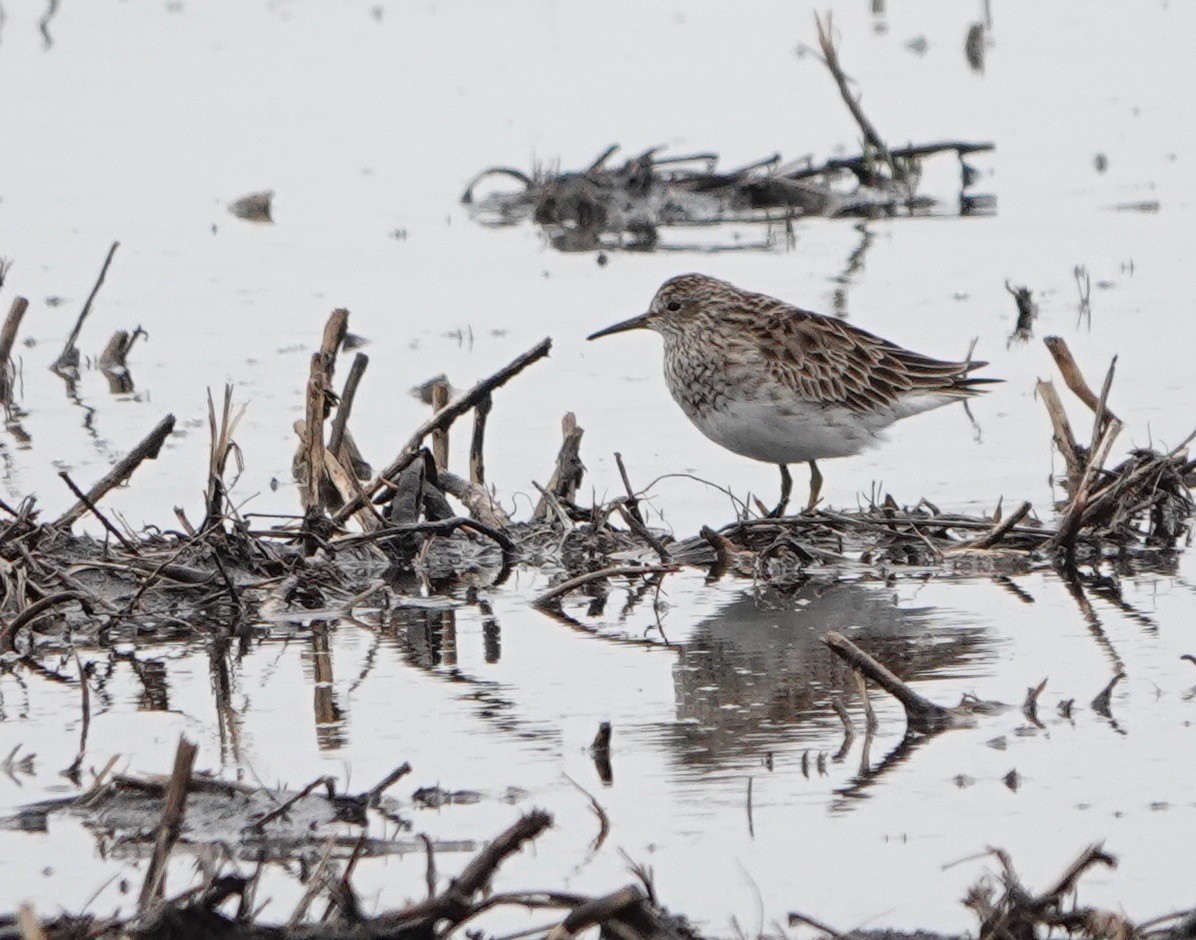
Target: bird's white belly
[764,431]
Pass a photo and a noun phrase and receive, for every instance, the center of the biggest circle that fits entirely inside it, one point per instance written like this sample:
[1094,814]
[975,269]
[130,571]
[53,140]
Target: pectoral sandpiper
[779,384]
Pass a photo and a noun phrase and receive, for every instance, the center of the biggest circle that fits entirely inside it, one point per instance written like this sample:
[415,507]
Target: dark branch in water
[68,360]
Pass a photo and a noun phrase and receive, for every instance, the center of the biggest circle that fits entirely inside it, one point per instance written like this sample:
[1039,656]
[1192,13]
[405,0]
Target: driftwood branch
[922,715]
[1065,440]
[100,517]
[313,437]
[477,499]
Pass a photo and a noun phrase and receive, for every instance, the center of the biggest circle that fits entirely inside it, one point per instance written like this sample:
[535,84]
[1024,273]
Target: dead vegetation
[625,205]
[224,900]
[415,527]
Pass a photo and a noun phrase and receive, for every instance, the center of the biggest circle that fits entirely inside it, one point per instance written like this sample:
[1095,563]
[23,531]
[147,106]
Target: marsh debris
[422,529]
[627,205]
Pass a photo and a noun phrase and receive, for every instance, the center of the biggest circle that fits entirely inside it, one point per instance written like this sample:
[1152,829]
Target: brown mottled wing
[832,362]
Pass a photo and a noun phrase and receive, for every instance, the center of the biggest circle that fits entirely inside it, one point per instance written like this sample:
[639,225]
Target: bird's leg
[815,486]
[786,489]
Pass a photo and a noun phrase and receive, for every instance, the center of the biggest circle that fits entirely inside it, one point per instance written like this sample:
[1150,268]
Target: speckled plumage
[776,383]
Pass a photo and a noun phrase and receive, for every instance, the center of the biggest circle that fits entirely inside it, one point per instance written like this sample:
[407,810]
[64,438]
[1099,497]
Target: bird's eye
[674,305]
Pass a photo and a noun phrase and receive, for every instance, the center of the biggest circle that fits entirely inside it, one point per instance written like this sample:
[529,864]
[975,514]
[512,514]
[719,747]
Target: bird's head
[677,306]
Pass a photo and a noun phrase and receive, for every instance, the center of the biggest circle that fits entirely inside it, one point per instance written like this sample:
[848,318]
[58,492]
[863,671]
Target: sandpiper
[782,385]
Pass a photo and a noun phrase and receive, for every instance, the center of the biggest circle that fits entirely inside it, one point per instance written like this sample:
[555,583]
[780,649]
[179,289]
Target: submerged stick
[72,772]
[329,785]
[148,449]
[115,357]
[444,418]
[1100,704]
[455,903]
[69,358]
[8,631]
[374,793]
[922,715]
[861,161]
[861,683]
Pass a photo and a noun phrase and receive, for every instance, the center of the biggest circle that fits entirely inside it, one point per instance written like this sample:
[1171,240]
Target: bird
[775,383]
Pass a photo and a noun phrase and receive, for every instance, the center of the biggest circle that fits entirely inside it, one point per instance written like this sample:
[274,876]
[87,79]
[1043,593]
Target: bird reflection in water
[755,676]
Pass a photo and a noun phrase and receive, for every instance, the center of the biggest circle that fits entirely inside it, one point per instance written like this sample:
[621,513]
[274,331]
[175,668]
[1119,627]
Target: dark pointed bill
[635,323]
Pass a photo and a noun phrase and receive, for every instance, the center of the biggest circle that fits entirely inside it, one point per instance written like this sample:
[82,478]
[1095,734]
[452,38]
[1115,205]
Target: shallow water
[141,121]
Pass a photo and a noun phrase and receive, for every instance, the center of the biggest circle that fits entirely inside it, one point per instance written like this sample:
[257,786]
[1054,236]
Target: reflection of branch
[869,777]
[629,571]
[855,264]
[560,616]
[1095,627]
[44,22]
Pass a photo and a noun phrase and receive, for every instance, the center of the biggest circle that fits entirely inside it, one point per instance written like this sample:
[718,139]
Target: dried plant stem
[8,337]
[313,437]
[82,497]
[440,439]
[444,418]
[69,358]
[173,809]
[477,460]
[566,476]
[830,57]
[340,421]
